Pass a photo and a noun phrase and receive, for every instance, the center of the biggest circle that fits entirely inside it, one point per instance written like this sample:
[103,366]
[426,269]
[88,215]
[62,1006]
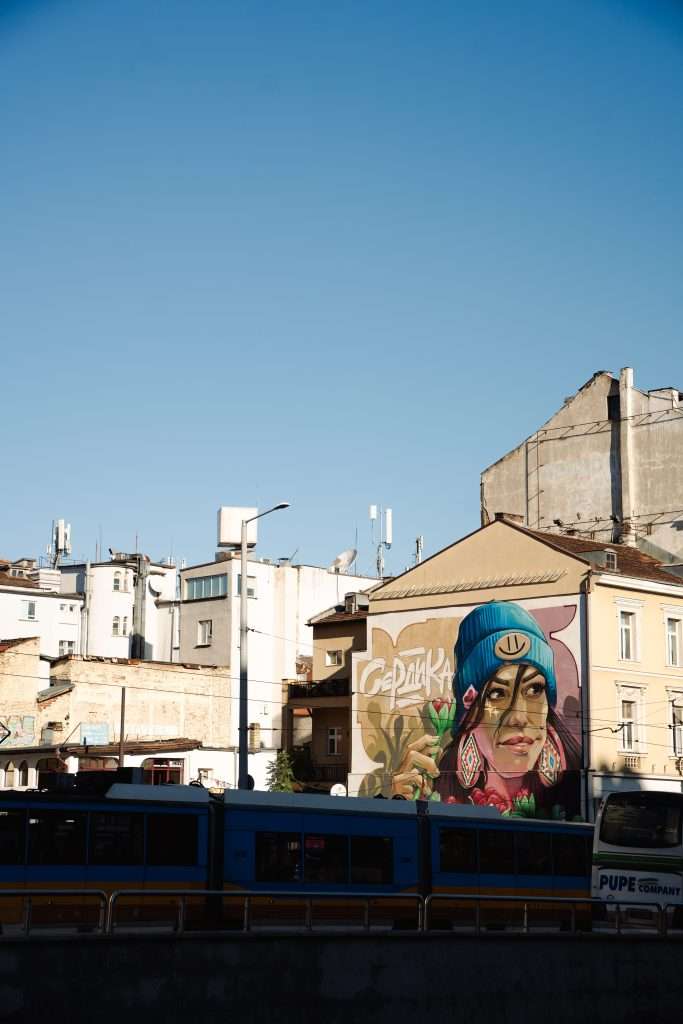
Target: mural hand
[417,769]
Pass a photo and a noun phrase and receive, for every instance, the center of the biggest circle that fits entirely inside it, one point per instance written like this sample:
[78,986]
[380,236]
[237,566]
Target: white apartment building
[129,607]
[282,599]
[32,606]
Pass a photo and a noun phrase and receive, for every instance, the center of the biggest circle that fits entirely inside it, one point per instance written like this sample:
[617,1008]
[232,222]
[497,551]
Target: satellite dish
[343,561]
[339,789]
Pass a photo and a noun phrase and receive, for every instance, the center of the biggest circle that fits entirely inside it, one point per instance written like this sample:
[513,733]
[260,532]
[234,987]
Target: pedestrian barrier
[40,913]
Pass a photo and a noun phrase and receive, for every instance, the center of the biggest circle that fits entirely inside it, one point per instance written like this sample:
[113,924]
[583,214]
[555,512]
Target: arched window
[116,625]
[117,580]
[10,776]
[23,774]
[2,776]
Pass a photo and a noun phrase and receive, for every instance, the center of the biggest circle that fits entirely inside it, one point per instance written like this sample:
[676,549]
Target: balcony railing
[323,688]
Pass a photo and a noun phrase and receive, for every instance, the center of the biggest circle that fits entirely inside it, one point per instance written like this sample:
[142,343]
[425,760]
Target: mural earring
[469,763]
[552,761]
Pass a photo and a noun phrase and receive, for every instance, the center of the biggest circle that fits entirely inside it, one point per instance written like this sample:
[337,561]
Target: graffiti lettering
[414,676]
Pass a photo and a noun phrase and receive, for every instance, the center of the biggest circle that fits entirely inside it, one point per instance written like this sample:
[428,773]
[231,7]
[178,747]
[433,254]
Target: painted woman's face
[513,726]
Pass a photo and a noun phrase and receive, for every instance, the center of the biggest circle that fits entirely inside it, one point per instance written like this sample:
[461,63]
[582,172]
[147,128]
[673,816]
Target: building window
[62,607]
[628,724]
[673,642]
[204,633]
[10,775]
[66,647]
[251,585]
[333,658]
[124,628]
[200,587]
[116,626]
[631,726]
[334,740]
[610,560]
[627,636]
[29,610]
[117,581]
[23,774]
[677,726]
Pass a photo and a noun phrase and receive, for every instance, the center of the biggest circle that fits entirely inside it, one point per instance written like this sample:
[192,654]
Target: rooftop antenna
[61,541]
[385,534]
[419,544]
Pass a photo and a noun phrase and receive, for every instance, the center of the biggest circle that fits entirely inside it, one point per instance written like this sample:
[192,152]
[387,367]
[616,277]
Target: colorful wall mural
[477,705]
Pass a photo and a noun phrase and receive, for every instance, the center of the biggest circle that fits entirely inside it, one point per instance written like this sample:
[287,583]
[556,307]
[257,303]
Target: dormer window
[610,560]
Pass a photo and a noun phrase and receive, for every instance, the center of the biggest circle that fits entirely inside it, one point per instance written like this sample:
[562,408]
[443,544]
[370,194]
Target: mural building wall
[478,704]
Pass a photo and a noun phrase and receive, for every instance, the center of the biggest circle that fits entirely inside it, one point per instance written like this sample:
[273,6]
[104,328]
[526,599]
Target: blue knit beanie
[492,635]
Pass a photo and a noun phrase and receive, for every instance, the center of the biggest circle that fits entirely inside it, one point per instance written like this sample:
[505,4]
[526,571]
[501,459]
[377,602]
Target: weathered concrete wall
[342,980]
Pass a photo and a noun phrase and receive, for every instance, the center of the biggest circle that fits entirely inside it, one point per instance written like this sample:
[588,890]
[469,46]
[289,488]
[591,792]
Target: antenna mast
[386,534]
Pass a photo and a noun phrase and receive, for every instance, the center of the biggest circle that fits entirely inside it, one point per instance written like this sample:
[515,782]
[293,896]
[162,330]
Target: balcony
[324,688]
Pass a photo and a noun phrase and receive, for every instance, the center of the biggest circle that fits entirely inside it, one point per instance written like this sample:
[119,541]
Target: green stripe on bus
[638,862]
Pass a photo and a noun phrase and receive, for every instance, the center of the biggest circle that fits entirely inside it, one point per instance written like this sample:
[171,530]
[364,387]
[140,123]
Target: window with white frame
[631,727]
[610,559]
[676,724]
[627,635]
[204,633]
[200,587]
[673,641]
[116,626]
[124,626]
[333,658]
[29,608]
[117,581]
[334,739]
[251,585]
[66,647]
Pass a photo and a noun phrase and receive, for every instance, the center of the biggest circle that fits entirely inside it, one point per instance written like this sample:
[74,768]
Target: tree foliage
[280,774]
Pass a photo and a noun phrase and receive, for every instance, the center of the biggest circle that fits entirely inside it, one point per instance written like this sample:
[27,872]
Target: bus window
[326,859]
[278,857]
[372,860]
[171,840]
[12,837]
[645,820]
[571,855]
[117,839]
[496,852]
[458,850]
[533,853]
[56,837]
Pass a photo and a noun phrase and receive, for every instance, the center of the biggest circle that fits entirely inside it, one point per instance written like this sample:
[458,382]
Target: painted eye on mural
[534,689]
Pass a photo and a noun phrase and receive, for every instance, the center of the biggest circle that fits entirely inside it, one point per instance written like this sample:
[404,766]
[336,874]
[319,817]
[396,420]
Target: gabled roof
[630,561]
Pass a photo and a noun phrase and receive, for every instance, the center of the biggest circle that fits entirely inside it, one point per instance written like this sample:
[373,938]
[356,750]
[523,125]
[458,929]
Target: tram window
[571,855]
[533,853]
[496,852]
[117,839]
[458,850]
[326,859]
[171,840]
[12,837]
[372,860]
[278,857]
[56,837]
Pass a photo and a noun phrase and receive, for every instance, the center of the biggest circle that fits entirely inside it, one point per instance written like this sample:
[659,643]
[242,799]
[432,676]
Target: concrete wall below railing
[342,980]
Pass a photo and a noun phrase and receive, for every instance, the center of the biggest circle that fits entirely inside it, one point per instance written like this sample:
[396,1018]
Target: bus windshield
[646,820]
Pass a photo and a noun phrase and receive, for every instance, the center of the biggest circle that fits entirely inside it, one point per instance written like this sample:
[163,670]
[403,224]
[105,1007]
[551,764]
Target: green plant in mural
[280,774]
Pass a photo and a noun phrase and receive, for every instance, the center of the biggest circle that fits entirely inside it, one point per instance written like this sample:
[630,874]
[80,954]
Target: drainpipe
[626,464]
[586,654]
[85,633]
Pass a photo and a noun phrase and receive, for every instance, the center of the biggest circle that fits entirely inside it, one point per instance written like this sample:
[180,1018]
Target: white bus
[638,849]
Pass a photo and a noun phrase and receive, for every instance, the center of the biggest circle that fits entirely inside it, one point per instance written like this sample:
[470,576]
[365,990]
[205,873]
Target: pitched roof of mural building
[608,465]
[507,561]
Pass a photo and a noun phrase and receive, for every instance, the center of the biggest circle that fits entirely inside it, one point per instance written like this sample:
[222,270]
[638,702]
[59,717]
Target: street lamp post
[243,777]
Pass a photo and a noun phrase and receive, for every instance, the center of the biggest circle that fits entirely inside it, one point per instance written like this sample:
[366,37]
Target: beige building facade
[599,624]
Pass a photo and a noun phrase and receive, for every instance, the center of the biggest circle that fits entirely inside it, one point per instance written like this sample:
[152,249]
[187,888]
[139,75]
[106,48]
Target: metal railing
[26,913]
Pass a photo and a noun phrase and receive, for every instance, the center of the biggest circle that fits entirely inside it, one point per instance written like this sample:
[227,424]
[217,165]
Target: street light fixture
[243,777]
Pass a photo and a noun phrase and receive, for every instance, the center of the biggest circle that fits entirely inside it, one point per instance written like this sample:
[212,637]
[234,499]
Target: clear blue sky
[331,252]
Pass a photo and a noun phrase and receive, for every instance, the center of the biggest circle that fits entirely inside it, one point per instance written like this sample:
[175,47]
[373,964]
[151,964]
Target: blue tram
[181,837]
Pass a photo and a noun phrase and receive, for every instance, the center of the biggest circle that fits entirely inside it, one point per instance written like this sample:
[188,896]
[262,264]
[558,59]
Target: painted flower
[491,798]
[441,714]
